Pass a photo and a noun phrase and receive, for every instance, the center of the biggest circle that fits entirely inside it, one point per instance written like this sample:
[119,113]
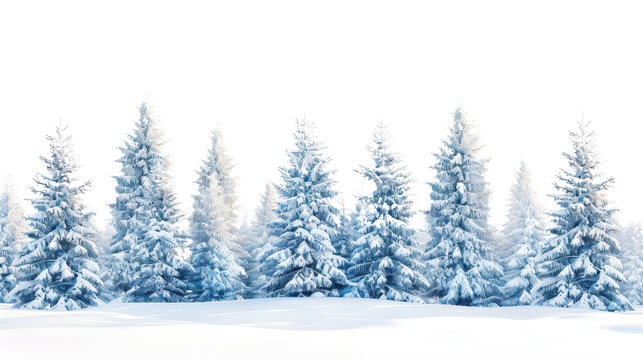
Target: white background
[525,72]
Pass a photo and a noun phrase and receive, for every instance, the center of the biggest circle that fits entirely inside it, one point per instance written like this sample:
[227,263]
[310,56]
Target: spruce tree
[56,268]
[140,156]
[258,240]
[460,261]
[13,228]
[302,260]
[525,233]
[632,242]
[578,265]
[385,258]
[346,233]
[146,262]
[218,166]
[218,276]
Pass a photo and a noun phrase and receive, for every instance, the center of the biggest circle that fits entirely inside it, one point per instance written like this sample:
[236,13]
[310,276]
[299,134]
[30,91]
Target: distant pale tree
[218,275]
[525,233]
[632,241]
[13,230]
[217,167]
[258,240]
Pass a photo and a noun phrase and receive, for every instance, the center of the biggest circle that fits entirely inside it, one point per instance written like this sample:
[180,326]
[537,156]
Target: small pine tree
[218,166]
[632,242]
[13,228]
[258,241]
[356,223]
[264,215]
[385,257]
[148,237]
[578,265]
[525,232]
[302,260]
[57,269]
[347,231]
[461,266]
[218,276]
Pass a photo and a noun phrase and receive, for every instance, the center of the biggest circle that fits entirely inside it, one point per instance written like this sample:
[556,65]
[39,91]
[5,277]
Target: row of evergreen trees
[302,243]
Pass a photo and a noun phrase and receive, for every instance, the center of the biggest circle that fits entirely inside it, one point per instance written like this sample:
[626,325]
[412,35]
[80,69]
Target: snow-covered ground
[288,328]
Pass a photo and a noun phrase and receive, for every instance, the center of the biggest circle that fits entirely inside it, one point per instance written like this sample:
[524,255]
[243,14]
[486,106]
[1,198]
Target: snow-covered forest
[302,241]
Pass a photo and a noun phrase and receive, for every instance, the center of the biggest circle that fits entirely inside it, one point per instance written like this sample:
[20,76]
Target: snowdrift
[326,328]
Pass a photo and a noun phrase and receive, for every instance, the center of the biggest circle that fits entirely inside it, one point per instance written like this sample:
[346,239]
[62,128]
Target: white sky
[525,73]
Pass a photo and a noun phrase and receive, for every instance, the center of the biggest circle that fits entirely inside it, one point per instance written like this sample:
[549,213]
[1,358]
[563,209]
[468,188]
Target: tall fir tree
[218,276]
[386,258]
[525,233]
[578,265]
[140,155]
[302,260]
[462,270]
[146,262]
[13,229]
[57,268]
[632,241]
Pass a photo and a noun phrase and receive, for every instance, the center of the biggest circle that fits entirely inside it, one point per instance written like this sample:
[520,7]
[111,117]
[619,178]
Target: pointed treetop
[463,132]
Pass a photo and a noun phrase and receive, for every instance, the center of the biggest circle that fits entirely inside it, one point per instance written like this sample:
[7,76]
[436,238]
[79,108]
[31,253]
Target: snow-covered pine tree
[244,229]
[345,234]
[13,229]
[632,243]
[385,258]
[578,266]
[356,223]
[56,268]
[258,240]
[302,260]
[460,261]
[147,247]
[140,154]
[264,215]
[261,268]
[525,233]
[218,276]
[218,165]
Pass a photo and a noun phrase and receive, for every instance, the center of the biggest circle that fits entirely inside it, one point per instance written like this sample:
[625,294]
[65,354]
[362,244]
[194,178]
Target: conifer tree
[13,228]
[341,241]
[385,258]
[140,154]
[146,262]
[632,242]
[578,266]
[461,266]
[219,165]
[258,240]
[218,276]
[302,260]
[356,223]
[56,268]
[264,215]
[525,233]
